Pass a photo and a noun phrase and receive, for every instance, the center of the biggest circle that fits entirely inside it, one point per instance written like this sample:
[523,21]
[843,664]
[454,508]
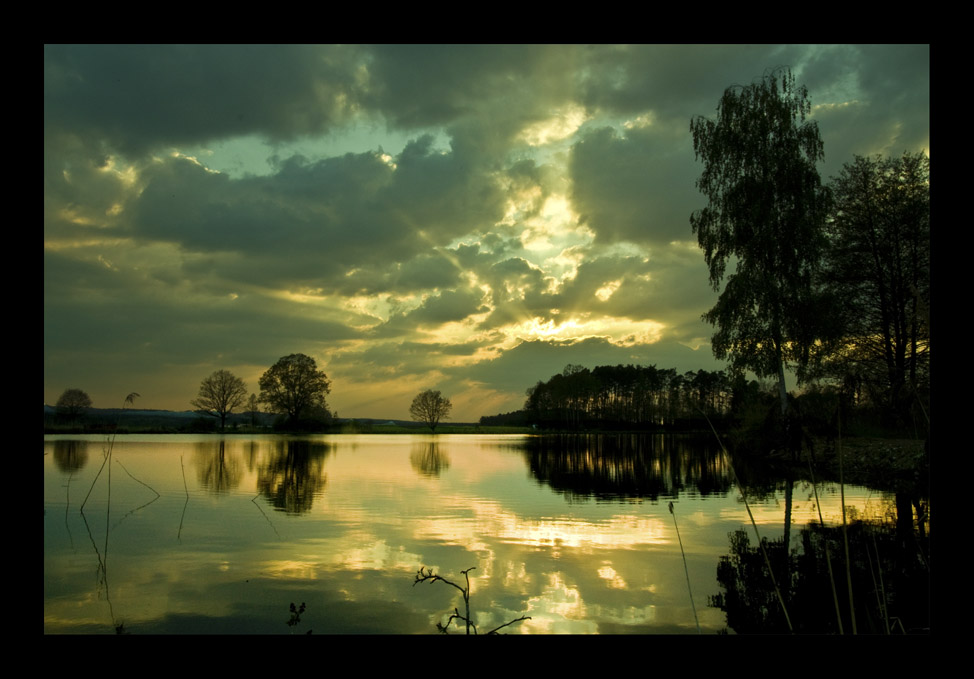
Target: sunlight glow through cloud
[561,125]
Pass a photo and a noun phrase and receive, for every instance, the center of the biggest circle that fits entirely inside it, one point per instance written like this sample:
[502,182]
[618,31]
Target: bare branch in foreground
[427,575]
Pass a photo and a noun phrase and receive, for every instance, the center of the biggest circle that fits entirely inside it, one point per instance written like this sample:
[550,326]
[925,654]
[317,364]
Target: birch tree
[765,215]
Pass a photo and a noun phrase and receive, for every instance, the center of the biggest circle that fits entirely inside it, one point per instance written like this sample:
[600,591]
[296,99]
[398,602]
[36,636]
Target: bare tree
[219,394]
[430,407]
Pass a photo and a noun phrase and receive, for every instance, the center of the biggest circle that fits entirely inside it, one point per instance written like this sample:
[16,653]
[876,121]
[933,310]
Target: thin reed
[828,557]
[845,531]
[747,505]
[685,569]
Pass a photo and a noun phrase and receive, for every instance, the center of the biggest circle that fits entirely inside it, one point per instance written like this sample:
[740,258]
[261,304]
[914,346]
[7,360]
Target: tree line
[628,397]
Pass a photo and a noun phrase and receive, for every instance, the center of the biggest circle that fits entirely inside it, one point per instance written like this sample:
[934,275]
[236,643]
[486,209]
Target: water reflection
[427,458]
[70,456]
[628,466]
[885,590]
[293,474]
[217,471]
[188,544]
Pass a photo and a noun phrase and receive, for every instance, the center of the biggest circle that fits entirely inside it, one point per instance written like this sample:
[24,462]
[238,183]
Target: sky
[467,218]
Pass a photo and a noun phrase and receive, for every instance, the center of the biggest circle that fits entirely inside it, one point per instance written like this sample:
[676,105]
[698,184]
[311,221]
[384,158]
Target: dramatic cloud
[464,218]
[634,187]
[138,99]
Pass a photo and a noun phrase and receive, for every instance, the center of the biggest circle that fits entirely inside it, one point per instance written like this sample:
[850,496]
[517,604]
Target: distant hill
[126,412]
[141,419]
[181,420]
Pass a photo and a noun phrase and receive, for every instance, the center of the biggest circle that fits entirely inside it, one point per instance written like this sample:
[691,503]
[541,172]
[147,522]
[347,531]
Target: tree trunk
[782,392]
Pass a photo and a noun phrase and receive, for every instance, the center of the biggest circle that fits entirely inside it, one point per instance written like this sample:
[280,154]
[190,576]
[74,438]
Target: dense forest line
[648,398]
[626,397]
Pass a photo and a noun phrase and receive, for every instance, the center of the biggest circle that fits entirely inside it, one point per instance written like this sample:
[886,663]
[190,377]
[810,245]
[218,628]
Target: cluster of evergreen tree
[630,397]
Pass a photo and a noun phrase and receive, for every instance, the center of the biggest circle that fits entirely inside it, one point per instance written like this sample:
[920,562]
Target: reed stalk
[878,585]
[138,480]
[128,399]
[828,557]
[845,533]
[754,524]
[685,569]
[103,559]
[107,454]
[182,516]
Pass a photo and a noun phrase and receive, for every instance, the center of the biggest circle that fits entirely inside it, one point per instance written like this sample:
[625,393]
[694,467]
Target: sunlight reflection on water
[207,534]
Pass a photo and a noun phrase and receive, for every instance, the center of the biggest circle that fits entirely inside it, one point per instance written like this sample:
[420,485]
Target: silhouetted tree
[624,396]
[253,409]
[766,212]
[294,386]
[879,264]
[73,404]
[219,394]
[430,407]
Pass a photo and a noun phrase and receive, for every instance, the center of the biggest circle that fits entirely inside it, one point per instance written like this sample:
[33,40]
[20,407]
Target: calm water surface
[202,534]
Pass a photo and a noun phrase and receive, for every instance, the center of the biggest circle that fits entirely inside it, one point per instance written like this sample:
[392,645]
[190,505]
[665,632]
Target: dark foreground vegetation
[864,578]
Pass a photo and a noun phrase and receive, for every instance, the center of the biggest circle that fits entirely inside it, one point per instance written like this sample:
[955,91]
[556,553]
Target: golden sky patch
[562,124]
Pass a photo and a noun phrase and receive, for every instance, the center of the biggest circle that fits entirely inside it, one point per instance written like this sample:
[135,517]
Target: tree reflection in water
[427,458]
[293,475]
[888,568]
[637,466]
[70,456]
[217,471]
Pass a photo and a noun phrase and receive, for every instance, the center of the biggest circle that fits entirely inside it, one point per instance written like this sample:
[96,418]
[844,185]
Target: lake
[202,534]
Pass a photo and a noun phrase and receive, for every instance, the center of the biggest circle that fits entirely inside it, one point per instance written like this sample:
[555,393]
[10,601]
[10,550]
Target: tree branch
[424,575]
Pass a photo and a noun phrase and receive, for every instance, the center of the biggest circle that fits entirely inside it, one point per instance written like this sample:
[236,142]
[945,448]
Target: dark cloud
[518,293]
[427,271]
[448,306]
[417,86]
[313,223]
[323,217]
[635,187]
[674,80]
[879,105]
[142,97]
[114,313]
[442,194]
